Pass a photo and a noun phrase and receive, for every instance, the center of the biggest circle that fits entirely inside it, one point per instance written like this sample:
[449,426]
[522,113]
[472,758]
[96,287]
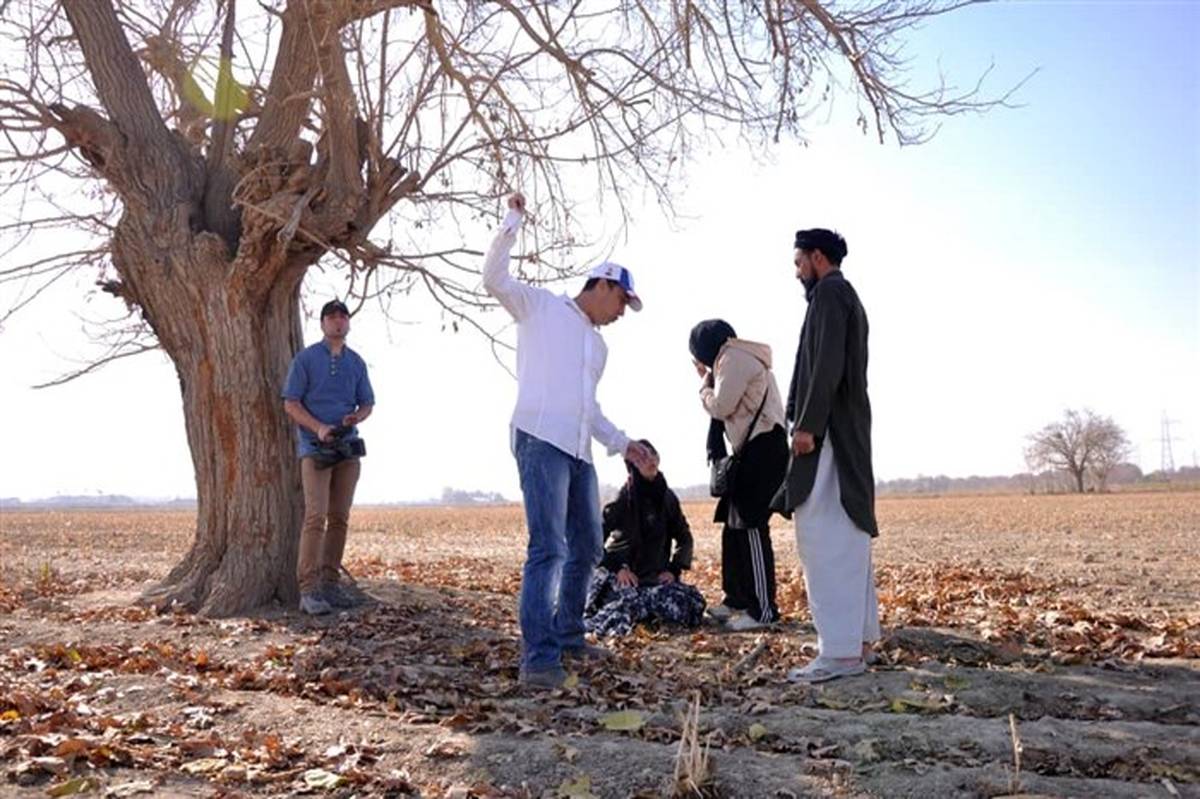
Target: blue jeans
[562,511]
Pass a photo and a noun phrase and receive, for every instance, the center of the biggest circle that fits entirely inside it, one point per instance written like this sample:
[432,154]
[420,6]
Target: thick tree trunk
[218,279]
[232,354]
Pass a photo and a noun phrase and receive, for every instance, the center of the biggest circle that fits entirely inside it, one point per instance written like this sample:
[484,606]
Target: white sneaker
[743,622]
[825,669]
[721,612]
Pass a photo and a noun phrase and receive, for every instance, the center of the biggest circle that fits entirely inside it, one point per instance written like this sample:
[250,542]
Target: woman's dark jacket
[639,527]
[764,463]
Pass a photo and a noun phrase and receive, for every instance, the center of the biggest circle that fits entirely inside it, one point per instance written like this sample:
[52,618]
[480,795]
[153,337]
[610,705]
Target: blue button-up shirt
[329,387]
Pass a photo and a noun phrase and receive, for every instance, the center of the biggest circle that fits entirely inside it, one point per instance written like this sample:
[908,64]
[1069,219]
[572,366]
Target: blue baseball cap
[621,276]
[334,306]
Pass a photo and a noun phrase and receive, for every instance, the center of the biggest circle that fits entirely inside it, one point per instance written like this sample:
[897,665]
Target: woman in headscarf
[639,577]
[740,394]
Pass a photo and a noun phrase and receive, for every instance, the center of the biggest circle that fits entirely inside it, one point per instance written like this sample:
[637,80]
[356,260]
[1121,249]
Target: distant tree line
[456,496]
[1049,482]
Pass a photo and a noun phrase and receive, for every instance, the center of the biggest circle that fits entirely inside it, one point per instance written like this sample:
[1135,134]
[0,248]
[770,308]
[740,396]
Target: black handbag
[723,476]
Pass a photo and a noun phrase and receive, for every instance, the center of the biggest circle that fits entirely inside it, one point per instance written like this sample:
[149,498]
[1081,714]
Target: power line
[1168,455]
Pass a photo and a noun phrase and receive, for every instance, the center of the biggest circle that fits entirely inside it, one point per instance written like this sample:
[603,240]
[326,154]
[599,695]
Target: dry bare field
[1067,628]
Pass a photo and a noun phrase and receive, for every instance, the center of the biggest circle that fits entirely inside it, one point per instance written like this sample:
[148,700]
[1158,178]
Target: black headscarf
[644,493]
[705,342]
[650,489]
[707,338]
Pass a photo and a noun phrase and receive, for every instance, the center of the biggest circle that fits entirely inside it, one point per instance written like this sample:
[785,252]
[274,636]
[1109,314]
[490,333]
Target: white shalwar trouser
[838,573]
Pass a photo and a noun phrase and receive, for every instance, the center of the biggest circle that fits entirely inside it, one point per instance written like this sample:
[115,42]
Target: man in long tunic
[830,486]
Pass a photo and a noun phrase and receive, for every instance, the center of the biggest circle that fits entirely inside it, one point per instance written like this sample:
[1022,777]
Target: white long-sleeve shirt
[560,358]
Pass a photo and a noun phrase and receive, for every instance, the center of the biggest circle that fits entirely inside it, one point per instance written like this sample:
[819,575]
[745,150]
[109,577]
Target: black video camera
[340,448]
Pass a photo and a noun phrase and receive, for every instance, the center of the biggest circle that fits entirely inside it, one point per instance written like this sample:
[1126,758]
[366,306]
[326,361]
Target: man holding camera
[327,394]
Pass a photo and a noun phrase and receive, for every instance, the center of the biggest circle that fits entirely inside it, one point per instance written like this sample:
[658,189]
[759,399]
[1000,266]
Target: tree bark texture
[231,345]
[231,354]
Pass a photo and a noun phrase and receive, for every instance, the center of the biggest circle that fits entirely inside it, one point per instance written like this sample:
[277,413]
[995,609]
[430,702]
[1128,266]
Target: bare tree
[1082,444]
[216,155]
[1110,448]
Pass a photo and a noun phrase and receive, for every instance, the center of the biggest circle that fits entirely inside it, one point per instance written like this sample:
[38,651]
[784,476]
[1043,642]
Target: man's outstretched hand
[516,201]
[638,454]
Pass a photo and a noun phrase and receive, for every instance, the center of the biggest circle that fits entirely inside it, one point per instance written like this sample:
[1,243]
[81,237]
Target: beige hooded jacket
[742,372]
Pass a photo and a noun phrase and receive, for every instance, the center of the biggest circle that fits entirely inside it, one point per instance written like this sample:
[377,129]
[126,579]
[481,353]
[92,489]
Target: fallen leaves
[577,788]
[204,765]
[126,789]
[446,749]
[121,689]
[623,721]
[321,780]
[1022,611]
[71,787]
[917,703]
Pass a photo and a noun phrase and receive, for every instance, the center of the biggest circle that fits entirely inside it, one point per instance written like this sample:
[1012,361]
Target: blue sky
[1024,261]
[1093,192]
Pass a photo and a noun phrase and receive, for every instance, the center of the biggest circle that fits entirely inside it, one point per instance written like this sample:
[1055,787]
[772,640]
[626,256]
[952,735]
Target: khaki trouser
[328,494]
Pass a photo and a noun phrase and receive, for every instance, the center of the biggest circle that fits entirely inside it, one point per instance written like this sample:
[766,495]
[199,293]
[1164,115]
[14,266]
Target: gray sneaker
[825,669]
[721,612]
[337,597]
[314,605]
[543,679]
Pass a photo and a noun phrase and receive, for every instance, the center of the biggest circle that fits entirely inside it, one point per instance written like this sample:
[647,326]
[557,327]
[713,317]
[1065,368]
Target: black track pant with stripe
[748,571]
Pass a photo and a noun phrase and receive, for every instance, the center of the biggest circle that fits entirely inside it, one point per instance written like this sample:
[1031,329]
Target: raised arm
[731,379]
[517,298]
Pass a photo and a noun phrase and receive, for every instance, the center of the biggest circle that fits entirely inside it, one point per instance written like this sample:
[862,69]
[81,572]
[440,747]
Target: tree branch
[119,80]
[155,170]
[289,95]
[136,349]
[219,214]
[341,156]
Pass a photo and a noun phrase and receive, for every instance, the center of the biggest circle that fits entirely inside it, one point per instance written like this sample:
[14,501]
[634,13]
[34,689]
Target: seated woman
[638,579]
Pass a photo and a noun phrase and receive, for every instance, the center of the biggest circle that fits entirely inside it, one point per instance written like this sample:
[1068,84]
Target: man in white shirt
[560,359]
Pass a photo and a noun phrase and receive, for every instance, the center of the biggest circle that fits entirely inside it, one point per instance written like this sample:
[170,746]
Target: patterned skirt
[613,610]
